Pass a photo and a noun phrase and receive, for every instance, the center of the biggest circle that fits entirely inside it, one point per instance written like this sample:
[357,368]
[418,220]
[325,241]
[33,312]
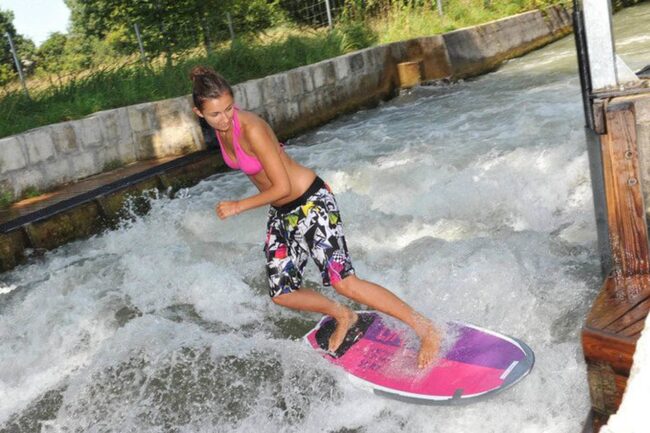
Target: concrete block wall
[304,97]
[53,155]
[476,50]
[291,102]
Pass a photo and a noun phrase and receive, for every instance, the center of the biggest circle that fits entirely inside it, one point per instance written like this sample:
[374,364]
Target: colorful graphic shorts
[308,226]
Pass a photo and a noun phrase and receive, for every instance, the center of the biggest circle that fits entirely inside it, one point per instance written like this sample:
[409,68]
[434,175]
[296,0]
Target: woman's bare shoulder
[253,124]
[251,119]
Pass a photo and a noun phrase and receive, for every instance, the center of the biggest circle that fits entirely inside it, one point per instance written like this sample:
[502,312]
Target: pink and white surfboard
[477,364]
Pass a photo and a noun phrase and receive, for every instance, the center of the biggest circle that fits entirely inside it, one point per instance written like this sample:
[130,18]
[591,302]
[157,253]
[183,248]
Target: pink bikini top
[248,164]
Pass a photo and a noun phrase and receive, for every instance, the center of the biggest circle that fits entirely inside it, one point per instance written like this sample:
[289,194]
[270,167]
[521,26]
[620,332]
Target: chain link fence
[160,42]
[110,60]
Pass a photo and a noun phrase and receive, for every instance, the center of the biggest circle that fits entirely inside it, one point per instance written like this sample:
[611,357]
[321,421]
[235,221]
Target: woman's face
[217,112]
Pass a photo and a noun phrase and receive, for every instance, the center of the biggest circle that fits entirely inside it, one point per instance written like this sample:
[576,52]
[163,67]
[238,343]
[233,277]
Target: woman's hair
[207,84]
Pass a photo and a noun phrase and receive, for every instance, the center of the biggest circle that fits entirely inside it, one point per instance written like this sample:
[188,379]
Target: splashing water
[472,202]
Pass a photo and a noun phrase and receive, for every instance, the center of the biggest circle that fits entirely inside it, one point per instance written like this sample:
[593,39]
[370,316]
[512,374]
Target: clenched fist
[227,209]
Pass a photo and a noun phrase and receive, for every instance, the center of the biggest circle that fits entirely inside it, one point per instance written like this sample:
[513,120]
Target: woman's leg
[381,299]
[308,300]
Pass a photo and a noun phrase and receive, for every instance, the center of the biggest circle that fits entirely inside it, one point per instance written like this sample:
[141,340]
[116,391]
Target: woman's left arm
[265,150]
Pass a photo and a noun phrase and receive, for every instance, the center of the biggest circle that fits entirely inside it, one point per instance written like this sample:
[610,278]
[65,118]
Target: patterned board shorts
[308,226]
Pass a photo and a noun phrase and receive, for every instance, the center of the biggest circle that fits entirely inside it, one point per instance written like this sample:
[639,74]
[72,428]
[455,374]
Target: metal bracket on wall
[101,206]
[163,182]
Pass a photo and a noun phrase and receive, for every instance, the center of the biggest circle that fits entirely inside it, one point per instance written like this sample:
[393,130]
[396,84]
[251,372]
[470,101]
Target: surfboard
[474,363]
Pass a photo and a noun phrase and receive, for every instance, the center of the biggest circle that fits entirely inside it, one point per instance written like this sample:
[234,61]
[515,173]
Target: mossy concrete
[101,213]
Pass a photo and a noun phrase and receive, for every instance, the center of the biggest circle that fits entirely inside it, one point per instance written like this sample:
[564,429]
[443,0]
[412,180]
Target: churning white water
[472,202]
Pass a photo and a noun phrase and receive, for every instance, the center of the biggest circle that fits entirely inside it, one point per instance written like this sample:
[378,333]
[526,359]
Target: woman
[304,219]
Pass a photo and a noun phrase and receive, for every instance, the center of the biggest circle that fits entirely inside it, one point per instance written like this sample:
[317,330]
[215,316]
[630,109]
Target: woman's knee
[285,298]
[280,299]
[345,286]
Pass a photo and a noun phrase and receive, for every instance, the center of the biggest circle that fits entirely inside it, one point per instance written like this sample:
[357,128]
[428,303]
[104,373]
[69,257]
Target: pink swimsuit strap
[247,163]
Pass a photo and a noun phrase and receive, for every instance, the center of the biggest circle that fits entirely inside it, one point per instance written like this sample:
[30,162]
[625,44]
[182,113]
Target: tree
[6,26]
[24,46]
[51,54]
[168,26]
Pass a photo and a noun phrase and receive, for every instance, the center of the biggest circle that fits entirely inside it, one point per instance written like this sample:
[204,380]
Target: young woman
[304,220]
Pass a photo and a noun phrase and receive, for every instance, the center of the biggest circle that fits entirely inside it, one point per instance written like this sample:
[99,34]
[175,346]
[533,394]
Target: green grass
[101,90]
[244,60]
[6,198]
[406,22]
[113,164]
[30,192]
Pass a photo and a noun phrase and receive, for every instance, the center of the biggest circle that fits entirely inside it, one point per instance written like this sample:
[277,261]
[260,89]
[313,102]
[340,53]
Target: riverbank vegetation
[99,65]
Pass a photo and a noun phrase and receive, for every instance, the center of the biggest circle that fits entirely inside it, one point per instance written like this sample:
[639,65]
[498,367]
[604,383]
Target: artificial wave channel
[471,201]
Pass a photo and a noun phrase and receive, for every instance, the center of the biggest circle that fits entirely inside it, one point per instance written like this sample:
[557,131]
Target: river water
[470,201]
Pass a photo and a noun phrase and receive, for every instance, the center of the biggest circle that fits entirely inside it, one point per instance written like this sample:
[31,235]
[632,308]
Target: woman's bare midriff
[300,178]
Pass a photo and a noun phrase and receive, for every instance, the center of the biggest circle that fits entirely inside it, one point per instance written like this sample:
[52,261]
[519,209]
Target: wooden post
[409,74]
[617,316]
[628,231]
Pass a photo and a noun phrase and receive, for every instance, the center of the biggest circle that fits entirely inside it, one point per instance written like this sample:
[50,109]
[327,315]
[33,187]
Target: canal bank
[292,102]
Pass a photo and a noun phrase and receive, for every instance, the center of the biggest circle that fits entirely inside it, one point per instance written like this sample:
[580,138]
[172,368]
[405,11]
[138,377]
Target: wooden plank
[632,317]
[618,314]
[634,330]
[625,208]
[620,383]
[605,387]
[615,350]
[618,296]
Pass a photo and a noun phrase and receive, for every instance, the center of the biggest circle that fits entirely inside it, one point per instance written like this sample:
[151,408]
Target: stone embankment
[293,101]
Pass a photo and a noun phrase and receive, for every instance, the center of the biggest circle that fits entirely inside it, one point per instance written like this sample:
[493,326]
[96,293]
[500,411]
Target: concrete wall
[476,50]
[291,101]
[57,154]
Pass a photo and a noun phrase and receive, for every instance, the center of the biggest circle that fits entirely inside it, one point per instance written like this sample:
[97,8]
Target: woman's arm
[265,149]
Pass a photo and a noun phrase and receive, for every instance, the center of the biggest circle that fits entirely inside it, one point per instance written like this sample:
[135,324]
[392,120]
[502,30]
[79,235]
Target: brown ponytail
[207,84]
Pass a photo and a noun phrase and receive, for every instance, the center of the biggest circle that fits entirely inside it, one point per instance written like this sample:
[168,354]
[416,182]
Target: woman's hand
[227,209]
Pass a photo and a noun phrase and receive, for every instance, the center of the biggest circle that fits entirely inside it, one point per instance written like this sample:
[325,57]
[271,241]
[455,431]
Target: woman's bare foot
[429,341]
[429,348]
[344,322]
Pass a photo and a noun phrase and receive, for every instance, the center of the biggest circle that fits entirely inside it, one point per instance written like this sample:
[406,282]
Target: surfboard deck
[476,364]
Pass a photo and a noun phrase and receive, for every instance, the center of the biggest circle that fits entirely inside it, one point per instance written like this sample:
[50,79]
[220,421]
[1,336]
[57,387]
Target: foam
[472,202]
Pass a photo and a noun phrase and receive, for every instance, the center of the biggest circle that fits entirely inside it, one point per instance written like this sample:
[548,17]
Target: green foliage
[253,15]
[103,33]
[50,53]
[7,74]
[398,20]
[31,191]
[6,199]
[24,46]
[105,89]
[166,26]
[113,164]
[308,12]
[121,40]
[6,26]
[80,52]
[355,35]
[63,54]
